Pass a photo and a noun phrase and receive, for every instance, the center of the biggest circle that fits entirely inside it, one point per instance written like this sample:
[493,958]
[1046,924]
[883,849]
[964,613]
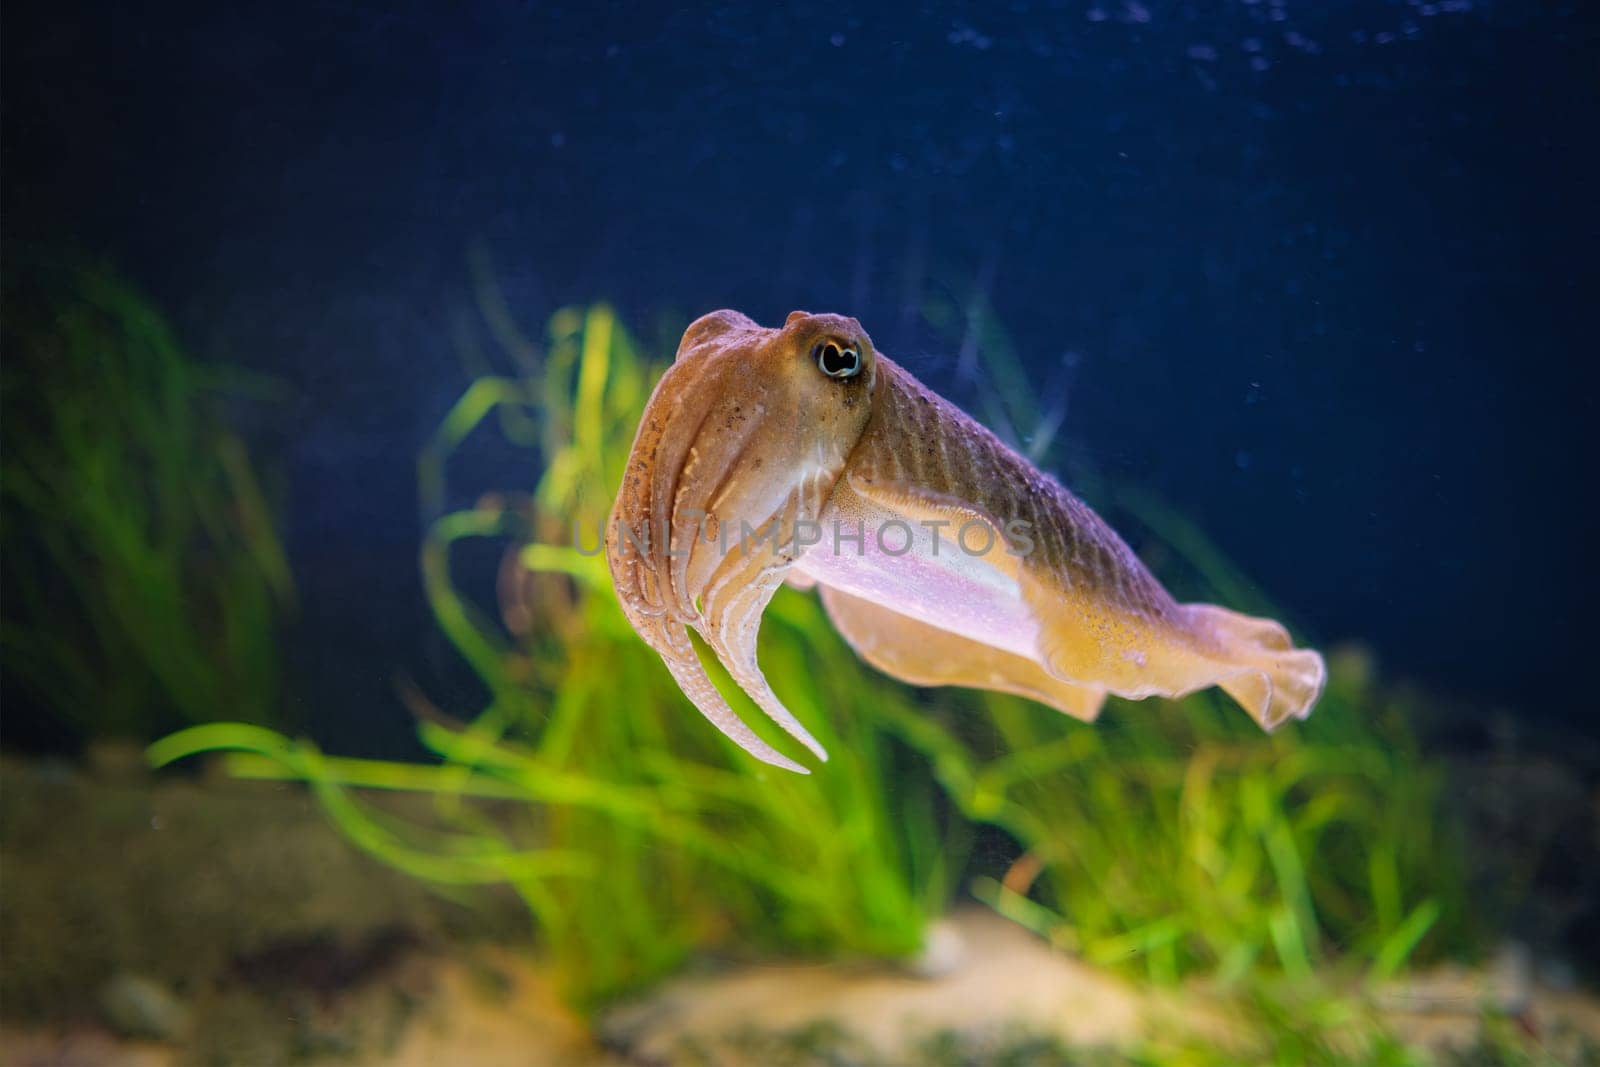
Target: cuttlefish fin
[1279,682]
[921,654]
[671,641]
[1107,625]
[1087,635]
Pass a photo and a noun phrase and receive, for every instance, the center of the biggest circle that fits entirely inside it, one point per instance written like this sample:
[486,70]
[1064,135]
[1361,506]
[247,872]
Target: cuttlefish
[942,556]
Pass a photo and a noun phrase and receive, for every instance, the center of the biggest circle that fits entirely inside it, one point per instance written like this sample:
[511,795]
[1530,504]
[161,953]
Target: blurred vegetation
[1178,839]
[1277,1040]
[648,835]
[1170,840]
[144,579]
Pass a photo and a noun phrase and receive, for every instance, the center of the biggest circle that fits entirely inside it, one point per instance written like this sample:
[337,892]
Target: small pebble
[136,1006]
[942,953]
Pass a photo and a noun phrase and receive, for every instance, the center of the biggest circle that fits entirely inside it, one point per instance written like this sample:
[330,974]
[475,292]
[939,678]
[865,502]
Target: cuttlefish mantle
[942,556]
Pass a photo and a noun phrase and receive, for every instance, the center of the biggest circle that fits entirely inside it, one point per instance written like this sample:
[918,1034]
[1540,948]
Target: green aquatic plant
[1178,840]
[144,579]
[1169,840]
[1183,842]
[647,834]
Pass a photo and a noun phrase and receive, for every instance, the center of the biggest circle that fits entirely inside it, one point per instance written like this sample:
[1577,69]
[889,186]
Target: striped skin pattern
[943,556]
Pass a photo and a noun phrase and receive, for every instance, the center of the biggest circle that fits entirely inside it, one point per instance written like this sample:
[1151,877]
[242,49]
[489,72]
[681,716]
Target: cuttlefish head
[742,441]
[820,367]
[750,426]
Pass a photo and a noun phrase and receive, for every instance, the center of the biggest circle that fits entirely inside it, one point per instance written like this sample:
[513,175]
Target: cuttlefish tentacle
[727,614]
[740,584]
[761,431]
[696,684]
[710,467]
[731,610]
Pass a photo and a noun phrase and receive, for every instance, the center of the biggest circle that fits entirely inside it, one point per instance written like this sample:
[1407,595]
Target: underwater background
[324,324]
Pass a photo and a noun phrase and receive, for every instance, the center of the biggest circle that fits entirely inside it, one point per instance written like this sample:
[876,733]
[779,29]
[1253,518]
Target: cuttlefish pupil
[782,430]
[836,359]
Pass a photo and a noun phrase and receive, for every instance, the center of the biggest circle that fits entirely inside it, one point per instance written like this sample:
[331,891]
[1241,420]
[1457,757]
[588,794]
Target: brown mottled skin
[747,433]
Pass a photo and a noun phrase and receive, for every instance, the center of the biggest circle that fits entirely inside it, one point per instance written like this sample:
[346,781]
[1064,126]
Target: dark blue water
[1320,275]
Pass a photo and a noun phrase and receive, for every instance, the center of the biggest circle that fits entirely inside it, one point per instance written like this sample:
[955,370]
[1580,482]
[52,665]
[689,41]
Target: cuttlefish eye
[837,359]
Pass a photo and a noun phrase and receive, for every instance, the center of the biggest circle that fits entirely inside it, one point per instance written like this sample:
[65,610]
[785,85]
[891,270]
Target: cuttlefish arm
[739,446]
[754,435]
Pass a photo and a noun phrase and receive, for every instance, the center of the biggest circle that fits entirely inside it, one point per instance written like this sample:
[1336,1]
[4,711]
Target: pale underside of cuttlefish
[942,556]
